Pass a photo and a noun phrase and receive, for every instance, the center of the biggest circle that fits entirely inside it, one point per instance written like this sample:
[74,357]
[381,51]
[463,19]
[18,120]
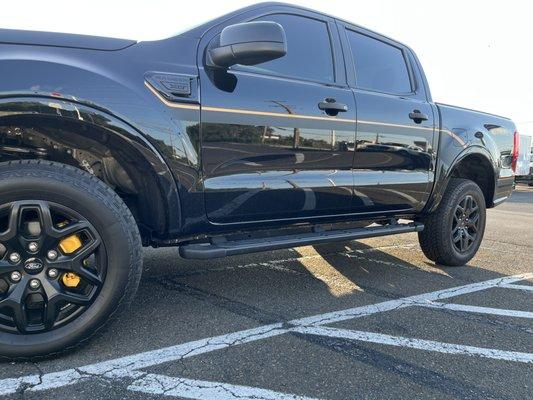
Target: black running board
[204,251]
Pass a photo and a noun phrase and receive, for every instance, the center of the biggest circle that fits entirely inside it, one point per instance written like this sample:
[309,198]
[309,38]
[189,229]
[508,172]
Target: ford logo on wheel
[33,266]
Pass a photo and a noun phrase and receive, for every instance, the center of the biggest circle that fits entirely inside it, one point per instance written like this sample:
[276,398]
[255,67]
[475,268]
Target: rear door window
[379,66]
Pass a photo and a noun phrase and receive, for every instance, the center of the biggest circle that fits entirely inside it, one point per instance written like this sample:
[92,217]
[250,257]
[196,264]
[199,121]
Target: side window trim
[350,62]
[334,62]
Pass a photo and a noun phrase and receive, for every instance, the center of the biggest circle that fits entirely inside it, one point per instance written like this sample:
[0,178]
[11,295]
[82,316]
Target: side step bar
[205,251]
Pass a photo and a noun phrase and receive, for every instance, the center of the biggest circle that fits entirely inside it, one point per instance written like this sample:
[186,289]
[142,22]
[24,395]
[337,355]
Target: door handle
[417,116]
[331,107]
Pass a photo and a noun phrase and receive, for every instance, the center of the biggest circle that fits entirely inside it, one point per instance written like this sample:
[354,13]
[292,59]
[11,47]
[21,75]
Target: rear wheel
[453,233]
[69,257]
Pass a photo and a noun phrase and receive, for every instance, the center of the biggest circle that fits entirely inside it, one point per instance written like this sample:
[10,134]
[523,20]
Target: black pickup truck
[271,127]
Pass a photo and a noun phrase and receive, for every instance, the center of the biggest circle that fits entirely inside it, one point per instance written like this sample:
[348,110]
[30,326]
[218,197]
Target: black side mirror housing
[249,43]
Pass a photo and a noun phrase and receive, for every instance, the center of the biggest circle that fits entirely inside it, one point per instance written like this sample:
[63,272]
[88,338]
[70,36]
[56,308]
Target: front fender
[113,83]
[148,170]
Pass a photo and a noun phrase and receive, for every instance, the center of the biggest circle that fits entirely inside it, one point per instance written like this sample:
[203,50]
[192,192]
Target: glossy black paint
[210,150]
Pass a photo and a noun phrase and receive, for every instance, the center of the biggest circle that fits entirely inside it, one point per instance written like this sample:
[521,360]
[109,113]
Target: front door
[269,148]
[394,148]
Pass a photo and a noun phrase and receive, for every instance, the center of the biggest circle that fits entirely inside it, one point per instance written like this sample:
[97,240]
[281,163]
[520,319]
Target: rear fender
[446,170]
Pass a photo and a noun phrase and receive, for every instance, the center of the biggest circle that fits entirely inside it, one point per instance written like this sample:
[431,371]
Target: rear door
[395,124]
[269,149]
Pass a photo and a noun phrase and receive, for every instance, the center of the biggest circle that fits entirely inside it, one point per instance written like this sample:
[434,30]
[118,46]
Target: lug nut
[35,284]
[52,254]
[33,247]
[16,276]
[14,258]
[53,273]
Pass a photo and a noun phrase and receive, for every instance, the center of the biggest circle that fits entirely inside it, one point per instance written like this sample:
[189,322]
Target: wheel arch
[99,142]
[478,166]
[474,163]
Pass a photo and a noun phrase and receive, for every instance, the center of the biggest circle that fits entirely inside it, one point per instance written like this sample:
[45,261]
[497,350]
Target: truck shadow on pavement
[325,278]
[183,301]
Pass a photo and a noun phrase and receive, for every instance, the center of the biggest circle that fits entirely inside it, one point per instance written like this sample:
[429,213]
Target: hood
[12,36]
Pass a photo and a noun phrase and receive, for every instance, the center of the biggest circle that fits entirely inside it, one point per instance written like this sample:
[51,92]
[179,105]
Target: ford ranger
[271,127]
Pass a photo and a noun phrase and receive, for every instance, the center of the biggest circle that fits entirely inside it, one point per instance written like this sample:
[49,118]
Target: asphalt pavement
[372,319]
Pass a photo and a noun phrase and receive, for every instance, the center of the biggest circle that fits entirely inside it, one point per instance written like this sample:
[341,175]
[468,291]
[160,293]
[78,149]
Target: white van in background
[524,164]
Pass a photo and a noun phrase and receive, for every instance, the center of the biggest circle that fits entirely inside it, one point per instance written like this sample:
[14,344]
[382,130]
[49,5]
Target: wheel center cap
[33,266]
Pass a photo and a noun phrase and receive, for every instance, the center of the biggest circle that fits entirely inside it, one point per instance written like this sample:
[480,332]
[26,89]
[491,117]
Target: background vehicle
[524,164]
[271,127]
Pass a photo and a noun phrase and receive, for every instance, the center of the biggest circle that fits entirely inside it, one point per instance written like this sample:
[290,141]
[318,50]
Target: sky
[476,54]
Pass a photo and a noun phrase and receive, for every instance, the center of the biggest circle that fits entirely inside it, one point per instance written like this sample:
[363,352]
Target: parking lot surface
[369,319]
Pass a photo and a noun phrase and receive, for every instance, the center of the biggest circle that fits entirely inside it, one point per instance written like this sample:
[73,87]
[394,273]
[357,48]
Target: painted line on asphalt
[201,390]
[127,367]
[479,310]
[358,312]
[420,344]
[518,287]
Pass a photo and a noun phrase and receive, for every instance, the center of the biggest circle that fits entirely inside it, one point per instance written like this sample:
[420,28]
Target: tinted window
[378,65]
[309,53]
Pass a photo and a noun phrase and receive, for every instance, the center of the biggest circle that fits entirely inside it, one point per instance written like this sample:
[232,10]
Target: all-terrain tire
[38,180]
[436,238]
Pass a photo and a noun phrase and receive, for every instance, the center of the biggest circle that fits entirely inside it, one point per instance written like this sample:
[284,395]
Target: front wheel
[453,233]
[69,257]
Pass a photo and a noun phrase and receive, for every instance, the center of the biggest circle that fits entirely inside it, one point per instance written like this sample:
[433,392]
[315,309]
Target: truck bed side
[469,133]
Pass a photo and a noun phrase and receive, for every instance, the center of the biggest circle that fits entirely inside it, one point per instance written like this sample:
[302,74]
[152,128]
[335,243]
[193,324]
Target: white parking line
[518,287]
[129,366]
[200,390]
[421,299]
[479,310]
[420,344]
[125,367]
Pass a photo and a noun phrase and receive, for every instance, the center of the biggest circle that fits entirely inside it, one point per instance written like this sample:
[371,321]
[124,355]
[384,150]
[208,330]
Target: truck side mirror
[249,43]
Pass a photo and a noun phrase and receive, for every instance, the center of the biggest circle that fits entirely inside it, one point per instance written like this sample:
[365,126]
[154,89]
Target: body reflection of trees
[295,138]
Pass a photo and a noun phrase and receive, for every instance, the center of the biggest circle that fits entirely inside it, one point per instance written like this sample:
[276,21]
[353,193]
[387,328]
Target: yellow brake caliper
[71,280]
[68,246]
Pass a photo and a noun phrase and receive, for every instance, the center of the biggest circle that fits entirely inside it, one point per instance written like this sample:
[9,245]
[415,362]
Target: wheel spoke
[464,243]
[72,228]
[468,203]
[56,297]
[473,221]
[88,275]
[87,250]
[11,230]
[76,266]
[53,302]
[455,219]
[45,217]
[75,263]
[15,302]
[6,267]
[472,210]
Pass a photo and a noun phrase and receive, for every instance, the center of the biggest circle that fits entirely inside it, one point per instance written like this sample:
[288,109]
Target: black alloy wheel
[45,283]
[465,224]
